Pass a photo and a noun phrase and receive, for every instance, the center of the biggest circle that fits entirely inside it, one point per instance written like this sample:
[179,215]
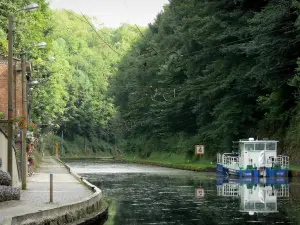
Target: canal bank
[75,201]
[178,162]
[173,161]
[200,166]
[163,160]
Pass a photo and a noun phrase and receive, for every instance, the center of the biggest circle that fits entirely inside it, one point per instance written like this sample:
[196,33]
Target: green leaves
[221,69]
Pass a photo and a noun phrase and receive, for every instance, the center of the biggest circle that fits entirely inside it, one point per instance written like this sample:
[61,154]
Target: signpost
[51,187]
[199,149]
[199,193]
[56,149]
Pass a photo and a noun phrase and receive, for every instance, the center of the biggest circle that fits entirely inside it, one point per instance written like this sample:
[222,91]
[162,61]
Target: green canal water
[141,194]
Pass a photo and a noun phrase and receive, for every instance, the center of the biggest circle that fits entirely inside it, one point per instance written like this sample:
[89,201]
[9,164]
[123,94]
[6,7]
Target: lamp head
[31,7]
[41,45]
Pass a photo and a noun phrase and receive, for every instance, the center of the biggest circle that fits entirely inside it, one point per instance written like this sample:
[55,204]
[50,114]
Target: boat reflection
[256,195]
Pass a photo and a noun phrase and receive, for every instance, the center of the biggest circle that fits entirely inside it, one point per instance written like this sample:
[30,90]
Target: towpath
[67,190]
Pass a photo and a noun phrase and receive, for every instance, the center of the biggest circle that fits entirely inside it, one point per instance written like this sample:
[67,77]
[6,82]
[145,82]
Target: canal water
[140,195]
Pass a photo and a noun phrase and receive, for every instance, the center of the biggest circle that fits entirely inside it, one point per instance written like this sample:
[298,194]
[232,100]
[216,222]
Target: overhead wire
[185,54]
[190,53]
[74,15]
[99,34]
[85,20]
[149,44]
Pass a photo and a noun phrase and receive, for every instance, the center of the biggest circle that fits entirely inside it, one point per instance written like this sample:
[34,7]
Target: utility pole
[11,21]
[24,130]
[10,98]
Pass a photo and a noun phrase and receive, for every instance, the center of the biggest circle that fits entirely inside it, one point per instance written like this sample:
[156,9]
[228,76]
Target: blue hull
[253,180]
[251,173]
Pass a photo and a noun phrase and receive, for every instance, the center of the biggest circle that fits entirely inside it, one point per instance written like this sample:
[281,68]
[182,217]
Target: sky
[114,12]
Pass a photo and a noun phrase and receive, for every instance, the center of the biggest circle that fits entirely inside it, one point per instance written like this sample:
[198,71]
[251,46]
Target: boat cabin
[254,158]
[257,153]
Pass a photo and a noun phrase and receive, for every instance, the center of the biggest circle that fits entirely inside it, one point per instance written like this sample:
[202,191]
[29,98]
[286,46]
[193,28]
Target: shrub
[9,193]
[5,178]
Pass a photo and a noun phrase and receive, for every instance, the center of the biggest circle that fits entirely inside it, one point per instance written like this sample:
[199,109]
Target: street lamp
[35,82]
[41,45]
[30,7]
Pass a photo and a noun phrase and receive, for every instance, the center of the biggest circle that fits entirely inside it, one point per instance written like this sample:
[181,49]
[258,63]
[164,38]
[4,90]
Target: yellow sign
[56,148]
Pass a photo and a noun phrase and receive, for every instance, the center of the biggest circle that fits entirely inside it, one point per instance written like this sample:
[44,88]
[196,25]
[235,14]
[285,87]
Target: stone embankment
[75,200]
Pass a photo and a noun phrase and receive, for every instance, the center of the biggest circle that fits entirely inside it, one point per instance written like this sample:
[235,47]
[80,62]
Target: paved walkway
[66,190]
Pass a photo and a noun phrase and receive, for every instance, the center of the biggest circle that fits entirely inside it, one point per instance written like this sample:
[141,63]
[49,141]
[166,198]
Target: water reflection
[256,196]
[144,195]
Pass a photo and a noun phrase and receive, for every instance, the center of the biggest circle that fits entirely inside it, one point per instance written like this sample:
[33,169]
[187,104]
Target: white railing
[231,162]
[283,161]
[219,158]
[283,191]
[228,160]
[228,190]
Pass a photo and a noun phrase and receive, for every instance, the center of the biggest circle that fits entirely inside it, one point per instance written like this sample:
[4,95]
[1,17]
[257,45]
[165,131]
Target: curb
[79,178]
[81,212]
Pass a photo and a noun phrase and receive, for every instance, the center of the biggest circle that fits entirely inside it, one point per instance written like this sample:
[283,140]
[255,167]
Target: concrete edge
[83,210]
[77,177]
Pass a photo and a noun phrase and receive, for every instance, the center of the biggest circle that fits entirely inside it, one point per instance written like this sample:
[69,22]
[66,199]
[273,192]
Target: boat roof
[256,141]
[259,211]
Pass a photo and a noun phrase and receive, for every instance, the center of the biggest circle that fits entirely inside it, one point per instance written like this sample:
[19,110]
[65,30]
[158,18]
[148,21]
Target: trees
[216,70]
[74,97]
[205,71]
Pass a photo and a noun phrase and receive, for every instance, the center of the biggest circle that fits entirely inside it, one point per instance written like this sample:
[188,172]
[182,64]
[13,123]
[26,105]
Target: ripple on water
[140,194]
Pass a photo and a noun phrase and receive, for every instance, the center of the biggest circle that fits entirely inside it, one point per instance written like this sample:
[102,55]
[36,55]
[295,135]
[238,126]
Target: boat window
[241,148]
[272,206]
[249,147]
[260,146]
[259,206]
[271,146]
[249,206]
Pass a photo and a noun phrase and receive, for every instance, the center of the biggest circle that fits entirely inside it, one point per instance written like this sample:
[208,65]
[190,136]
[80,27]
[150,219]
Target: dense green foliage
[74,99]
[204,72]
[30,28]
[212,72]
[73,72]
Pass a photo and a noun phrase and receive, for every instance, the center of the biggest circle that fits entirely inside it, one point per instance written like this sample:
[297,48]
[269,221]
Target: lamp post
[24,129]
[11,19]
[25,114]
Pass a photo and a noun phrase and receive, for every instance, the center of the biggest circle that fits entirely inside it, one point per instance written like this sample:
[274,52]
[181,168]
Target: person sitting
[30,165]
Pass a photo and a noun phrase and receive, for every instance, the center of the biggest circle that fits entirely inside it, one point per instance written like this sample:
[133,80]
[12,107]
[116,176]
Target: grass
[172,161]
[295,167]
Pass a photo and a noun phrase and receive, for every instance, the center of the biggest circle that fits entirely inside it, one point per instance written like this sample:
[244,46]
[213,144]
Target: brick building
[17,86]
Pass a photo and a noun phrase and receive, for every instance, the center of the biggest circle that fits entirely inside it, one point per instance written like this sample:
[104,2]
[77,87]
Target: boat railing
[228,190]
[282,161]
[283,191]
[231,162]
[219,158]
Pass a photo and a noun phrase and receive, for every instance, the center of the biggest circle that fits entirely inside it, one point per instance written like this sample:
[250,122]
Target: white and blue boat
[255,158]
